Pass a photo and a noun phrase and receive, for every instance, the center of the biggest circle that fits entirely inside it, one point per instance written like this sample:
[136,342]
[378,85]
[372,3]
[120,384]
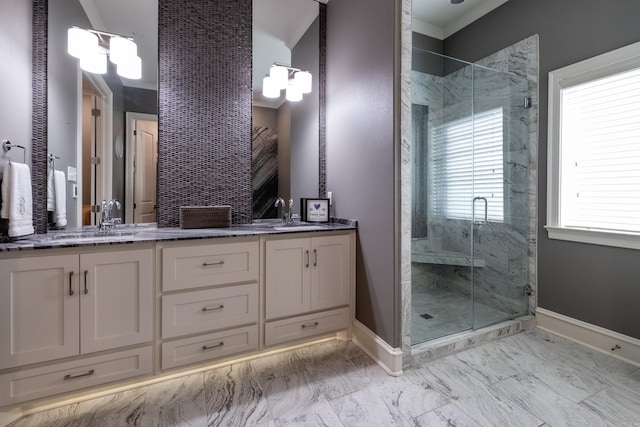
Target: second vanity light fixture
[293,80]
[92,48]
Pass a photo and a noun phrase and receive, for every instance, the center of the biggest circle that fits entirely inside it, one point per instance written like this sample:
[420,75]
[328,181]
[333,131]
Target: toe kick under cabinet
[88,309]
[210,301]
[309,286]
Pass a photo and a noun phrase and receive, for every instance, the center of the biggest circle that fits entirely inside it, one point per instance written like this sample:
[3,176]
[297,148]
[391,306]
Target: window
[594,150]
[468,162]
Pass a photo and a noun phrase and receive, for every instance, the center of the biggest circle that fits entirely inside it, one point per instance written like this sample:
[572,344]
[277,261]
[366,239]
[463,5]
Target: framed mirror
[102,127]
[286,134]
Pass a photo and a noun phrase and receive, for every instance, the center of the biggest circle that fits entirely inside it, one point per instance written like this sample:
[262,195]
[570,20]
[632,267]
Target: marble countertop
[125,234]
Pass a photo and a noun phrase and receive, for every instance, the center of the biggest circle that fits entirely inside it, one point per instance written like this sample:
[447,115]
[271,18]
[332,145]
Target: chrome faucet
[286,216]
[107,220]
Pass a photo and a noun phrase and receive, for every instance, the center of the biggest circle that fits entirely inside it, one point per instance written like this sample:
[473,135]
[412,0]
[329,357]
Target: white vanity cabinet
[210,301]
[309,283]
[58,306]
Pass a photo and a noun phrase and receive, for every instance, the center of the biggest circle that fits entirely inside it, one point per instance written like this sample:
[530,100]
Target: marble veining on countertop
[125,234]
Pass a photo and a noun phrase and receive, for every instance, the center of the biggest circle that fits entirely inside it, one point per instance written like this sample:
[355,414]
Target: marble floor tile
[234,397]
[366,408]
[454,380]
[177,402]
[291,395]
[617,406]
[411,395]
[538,399]
[277,365]
[528,379]
[448,415]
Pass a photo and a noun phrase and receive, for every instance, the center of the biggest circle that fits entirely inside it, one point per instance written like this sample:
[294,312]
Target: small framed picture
[315,210]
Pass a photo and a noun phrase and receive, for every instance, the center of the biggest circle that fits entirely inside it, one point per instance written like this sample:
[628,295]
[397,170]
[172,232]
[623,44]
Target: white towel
[17,199]
[57,197]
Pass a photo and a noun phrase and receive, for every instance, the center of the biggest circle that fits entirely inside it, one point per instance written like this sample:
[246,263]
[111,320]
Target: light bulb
[269,88]
[121,49]
[303,81]
[94,62]
[280,76]
[131,68]
[293,93]
[81,42]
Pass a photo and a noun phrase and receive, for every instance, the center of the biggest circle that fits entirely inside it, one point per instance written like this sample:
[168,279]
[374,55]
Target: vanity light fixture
[92,48]
[293,80]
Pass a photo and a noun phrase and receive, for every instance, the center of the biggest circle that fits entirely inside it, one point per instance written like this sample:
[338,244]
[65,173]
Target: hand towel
[57,197]
[17,199]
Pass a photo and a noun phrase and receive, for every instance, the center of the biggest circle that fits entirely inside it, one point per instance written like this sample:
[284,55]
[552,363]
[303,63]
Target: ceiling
[440,19]
[137,19]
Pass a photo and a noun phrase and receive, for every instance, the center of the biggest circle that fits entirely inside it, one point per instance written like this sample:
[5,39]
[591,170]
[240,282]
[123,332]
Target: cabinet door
[287,278]
[330,272]
[38,309]
[116,296]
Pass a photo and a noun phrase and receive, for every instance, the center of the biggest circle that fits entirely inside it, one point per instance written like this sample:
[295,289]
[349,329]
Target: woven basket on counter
[205,216]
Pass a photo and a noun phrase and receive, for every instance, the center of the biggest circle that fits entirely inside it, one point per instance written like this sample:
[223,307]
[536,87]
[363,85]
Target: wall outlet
[74,191]
[330,197]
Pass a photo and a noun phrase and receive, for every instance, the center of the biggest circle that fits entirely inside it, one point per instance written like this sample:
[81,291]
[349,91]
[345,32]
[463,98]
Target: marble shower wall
[508,248]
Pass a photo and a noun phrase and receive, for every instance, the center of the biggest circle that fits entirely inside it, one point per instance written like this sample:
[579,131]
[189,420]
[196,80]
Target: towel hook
[52,160]
[7,145]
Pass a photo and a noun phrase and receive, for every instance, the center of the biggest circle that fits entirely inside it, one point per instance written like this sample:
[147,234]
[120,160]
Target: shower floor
[449,311]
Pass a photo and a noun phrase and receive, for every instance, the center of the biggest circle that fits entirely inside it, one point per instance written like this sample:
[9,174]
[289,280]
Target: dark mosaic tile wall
[39,115]
[322,80]
[204,129]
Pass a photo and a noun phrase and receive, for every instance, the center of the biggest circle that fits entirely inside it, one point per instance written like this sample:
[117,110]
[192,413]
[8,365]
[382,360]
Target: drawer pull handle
[71,377]
[209,347]
[212,264]
[310,325]
[71,283]
[219,307]
[86,289]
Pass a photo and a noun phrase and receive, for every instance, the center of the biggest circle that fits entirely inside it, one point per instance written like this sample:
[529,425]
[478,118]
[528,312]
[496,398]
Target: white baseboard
[620,346]
[387,357]
[7,417]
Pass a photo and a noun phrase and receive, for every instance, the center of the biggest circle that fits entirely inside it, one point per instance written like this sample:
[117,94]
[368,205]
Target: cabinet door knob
[86,287]
[71,283]
[209,347]
[71,377]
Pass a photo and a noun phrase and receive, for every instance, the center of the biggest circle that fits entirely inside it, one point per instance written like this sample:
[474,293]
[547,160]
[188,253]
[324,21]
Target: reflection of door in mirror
[96,132]
[141,167]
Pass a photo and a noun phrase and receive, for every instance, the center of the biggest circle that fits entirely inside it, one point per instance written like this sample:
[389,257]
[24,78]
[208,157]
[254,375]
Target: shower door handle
[486,210]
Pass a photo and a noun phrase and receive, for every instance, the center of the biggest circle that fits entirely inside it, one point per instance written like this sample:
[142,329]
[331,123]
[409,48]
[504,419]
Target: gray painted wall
[15,77]
[595,284]
[360,149]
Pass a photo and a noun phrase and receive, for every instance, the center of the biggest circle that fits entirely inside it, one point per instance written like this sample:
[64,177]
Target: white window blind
[468,162]
[600,154]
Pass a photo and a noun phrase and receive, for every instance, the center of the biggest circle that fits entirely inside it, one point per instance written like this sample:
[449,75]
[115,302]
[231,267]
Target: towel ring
[7,145]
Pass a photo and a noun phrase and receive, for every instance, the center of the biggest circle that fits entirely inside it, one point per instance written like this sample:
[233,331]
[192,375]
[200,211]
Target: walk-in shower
[470,196]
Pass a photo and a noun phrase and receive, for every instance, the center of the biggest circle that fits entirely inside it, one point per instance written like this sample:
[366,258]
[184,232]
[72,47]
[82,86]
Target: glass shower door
[499,242]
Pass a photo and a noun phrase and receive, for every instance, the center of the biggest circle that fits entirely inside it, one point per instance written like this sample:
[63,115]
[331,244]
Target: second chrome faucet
[286,215]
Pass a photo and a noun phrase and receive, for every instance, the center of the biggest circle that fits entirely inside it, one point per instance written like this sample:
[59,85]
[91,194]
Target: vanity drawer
[281,331]
[208,347]
[207,310]
[50,380]
[209,265]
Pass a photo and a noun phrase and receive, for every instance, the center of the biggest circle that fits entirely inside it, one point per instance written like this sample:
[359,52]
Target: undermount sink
[93,235]
[300,228]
